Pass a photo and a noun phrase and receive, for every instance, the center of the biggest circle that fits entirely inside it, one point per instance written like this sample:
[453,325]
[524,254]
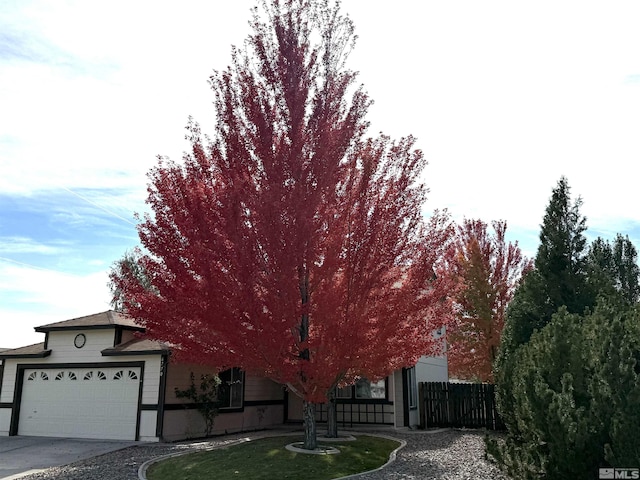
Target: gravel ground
[448,454]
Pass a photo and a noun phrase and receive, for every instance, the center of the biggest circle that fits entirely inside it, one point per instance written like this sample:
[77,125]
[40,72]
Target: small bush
[206,397]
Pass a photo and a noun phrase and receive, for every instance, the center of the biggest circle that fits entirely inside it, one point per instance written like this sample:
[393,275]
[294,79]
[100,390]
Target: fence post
[488,407]
[423,423]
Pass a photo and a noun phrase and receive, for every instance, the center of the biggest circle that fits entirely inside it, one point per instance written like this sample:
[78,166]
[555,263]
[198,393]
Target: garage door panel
[82,403]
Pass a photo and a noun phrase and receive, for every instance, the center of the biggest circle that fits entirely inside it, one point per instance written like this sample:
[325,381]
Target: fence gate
[470,405]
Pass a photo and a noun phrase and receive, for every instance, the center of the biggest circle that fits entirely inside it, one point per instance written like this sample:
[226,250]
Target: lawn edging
[142,471]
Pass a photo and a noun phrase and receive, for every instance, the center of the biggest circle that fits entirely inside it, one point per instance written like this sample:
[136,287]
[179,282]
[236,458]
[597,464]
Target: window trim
[352,399]
[386,389]
[412,388]
[343,397]
[229,407]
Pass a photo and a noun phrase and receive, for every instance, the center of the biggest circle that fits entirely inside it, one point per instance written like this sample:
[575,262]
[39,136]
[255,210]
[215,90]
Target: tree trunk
[309,409]
[332,415]
[310,434]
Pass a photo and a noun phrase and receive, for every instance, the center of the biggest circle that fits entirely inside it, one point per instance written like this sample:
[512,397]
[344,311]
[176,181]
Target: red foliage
[289,245]
[490,269]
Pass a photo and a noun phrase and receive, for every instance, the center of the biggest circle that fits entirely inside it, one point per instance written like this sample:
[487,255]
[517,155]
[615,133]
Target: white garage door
[80,403]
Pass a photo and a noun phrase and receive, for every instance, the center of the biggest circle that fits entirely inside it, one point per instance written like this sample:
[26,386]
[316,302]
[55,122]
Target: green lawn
[267,459]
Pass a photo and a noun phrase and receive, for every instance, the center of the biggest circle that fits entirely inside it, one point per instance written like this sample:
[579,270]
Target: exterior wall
[5,421]
[432,369]
[263,406]
[188,423]
[64,353]
[63,349]
[398,399]
[178,376]
[148,421]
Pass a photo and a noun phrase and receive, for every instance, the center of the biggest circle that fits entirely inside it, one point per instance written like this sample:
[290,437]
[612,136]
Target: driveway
[20,455]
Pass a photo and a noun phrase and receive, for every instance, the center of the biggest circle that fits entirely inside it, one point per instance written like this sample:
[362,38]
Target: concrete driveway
[19,455]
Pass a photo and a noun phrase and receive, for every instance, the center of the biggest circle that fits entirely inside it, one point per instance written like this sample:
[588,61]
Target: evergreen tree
[559,275]
[561,255]
[568,380]
[558,279]
[613,269]
[577,395]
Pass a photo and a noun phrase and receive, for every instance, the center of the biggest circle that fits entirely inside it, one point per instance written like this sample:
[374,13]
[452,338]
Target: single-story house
[98,377]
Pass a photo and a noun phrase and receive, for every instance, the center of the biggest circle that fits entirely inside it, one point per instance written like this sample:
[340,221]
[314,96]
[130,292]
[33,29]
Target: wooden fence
[470,405]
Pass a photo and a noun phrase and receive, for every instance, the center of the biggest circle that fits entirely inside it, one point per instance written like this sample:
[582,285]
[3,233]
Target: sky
[504,98]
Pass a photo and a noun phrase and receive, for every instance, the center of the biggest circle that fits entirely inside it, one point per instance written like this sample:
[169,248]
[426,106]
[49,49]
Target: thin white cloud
[110,210]
[30,297]
[100,207]
[19,245]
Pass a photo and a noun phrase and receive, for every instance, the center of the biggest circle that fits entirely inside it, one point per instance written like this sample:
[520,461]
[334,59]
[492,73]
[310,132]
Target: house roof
[108,319]
[30,351]
[137,346]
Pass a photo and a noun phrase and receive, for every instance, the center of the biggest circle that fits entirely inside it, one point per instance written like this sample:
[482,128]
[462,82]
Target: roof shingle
[106,319]
[36,350]
[137,346]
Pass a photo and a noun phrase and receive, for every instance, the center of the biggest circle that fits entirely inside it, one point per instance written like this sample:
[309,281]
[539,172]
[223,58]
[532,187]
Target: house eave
[43,354]
[120,353]
[88,327]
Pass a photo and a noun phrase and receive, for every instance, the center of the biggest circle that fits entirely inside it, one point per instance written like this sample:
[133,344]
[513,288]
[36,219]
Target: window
[412,387]
[344,392]
[368,389]
[363,389]
[231,387]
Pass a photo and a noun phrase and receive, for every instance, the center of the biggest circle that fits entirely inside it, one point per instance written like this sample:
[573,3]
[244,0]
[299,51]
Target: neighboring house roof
[106,319]
[31,351]
[137,346]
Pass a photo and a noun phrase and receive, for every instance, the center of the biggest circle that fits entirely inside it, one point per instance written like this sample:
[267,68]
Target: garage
[96,402]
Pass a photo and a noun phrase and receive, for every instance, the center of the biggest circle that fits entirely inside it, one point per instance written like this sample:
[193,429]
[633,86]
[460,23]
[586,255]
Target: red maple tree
[490,269]
[289,244]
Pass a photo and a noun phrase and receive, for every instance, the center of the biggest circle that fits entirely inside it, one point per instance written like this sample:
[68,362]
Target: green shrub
[206,398]
[575,397]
